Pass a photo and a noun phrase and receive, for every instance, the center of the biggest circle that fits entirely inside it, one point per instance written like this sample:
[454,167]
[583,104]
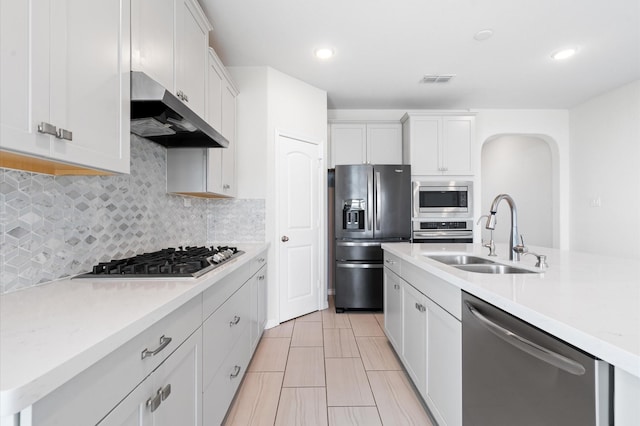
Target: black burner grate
[170,262]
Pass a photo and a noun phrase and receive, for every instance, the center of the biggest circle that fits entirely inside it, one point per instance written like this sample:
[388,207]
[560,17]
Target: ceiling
[383,49]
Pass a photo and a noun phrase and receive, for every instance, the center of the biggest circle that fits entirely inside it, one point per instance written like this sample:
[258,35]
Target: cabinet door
[90,80]
[458,137]
[348,143]
[131,411]
[425,134]
[228,130]
[393,309]
[258,305]
[152,39]
[384,143]
[192,38]
[179,381]
[24,76]
[414,336]
[444,365]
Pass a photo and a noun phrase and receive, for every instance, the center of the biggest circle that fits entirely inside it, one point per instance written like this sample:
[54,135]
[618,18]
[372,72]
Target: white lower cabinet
[171,395]
[183,370]
[428,338]
[393,308]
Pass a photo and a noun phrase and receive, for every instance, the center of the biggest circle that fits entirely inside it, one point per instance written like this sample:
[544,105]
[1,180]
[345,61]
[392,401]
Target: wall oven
[442,199]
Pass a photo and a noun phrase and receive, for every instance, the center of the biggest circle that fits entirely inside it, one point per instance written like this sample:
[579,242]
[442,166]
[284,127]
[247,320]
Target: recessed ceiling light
[561,54]
[482,35]
[324,53]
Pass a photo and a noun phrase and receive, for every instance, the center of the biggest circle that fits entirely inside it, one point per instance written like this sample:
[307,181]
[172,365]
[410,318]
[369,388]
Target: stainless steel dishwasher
[516,374]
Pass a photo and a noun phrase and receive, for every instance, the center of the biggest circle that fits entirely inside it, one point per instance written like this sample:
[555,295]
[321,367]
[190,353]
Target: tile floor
[327,369]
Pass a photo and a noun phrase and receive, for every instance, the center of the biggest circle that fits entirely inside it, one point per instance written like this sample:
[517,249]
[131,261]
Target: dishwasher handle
[526,345]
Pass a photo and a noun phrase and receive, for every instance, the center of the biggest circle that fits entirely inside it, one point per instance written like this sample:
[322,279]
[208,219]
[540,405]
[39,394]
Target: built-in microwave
[442,199]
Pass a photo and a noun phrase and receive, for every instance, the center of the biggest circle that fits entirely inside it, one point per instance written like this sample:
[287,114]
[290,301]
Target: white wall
[521,167]
[605,166]
[271,101]
[552,126]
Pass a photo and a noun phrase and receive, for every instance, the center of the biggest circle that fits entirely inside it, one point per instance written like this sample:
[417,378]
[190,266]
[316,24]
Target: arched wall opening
[525,166]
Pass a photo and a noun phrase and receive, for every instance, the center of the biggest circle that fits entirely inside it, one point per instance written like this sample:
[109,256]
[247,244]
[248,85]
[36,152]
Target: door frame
[322,215]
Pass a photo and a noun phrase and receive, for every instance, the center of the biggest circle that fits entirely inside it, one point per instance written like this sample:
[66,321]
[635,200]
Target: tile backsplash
[52,227]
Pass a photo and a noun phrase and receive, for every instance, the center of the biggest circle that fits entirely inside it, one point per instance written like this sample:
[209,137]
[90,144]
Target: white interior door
[298,226]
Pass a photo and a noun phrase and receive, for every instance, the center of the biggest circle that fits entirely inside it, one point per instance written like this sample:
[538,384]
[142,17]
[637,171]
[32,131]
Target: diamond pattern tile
[53,227]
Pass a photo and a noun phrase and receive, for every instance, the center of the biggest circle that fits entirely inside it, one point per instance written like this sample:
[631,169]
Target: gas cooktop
[166,263]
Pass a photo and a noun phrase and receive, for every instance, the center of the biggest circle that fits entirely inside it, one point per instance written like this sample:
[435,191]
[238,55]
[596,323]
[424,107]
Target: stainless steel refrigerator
[372,205]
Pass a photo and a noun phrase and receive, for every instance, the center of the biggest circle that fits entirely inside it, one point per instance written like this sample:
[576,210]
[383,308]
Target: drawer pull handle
[420,307]
[391,262]
[236,320]
[166,391]
[154,402]
[261,259]
[236,371]
[261,277]
[164,341]
[47,129]
[396,286]
[64,134]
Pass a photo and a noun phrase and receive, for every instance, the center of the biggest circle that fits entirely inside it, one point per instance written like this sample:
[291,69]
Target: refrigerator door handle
[358,243]
[369,201]
[378,201]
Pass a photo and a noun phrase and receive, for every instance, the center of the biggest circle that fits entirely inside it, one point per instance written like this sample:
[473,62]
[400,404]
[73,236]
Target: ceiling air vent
[436,78]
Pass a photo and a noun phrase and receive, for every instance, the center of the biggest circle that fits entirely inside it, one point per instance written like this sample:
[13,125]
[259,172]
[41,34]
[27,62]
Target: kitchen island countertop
[52,332]
[589,301]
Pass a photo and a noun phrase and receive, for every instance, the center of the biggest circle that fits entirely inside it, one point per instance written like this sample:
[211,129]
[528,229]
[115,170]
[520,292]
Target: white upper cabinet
[439,144]
[65,85]
[170,39]
[152,40]
[365,143]
[192,41]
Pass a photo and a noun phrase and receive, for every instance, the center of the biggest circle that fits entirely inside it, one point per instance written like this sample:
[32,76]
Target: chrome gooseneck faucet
[516,249]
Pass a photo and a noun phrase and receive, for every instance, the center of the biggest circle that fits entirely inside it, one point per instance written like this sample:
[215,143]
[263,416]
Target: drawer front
[218,293]
[223,329]
[258,262]
[441,292]
[393,262]
[358,250]
[219,393]
[90,395]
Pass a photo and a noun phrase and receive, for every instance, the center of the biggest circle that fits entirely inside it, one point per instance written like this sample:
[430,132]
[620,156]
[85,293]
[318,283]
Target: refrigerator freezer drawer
[355,250]
[358,286]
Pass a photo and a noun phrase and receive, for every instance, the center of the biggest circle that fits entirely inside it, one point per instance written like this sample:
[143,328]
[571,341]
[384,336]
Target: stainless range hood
[158,115]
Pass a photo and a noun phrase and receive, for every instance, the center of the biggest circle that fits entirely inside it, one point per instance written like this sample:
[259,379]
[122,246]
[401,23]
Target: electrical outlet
[187,201]
[595,202]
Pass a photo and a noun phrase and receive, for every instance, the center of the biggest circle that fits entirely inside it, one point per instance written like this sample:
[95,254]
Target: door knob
[284,238]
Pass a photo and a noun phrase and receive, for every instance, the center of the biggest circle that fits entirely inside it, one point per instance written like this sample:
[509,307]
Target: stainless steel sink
[477,264]
[460,259]
[494,268]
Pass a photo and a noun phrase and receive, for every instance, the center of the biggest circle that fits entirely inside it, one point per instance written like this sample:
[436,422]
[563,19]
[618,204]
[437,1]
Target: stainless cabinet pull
[261,259]
[154,402]
[261,277]
[236,319]
[396,286]
[284,238]
[64,134]
[164,341]
[420,307]
[48,129]
[389,261]
[166,391]
[236,371]
[526,345]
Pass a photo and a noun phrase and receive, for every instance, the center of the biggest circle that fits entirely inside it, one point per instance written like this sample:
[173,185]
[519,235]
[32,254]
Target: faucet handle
[521,248]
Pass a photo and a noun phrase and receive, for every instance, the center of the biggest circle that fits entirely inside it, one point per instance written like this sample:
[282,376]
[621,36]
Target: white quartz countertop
[589,301]
[52,332]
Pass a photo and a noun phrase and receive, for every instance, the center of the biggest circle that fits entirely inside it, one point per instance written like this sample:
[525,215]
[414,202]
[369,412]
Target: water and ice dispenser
[353,214]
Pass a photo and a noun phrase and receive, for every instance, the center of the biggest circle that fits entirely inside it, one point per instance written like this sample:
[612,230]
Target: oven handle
[526,345]
[444,234]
